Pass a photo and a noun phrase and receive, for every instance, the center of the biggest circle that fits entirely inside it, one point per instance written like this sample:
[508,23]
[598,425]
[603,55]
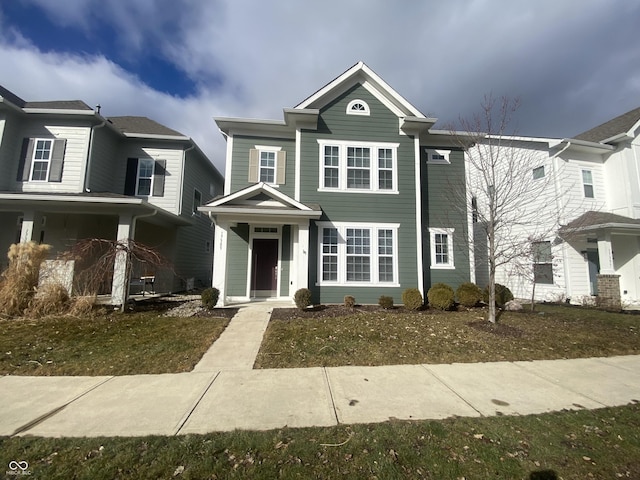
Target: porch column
[302,266]
[219,274]
[31,225]
[120,285]
[605,254]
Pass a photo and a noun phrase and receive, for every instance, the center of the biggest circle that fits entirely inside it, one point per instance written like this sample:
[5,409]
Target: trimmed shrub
[349,301]
[302,298]
[441,296]
[412,299]
[385,302]
[210,297]
[503,295]
[469,294]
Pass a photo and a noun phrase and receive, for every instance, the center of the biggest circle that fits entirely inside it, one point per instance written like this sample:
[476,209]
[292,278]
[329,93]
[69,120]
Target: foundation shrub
[302,297]
[385,302]
[469,294]
[209,297]
[503,295]
[441,296]
[412,299]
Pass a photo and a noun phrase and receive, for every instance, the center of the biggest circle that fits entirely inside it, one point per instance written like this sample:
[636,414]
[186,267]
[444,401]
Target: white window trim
[432,237]
[438,161]
[357,101]
[153,169]
[584,184]
[47,161]
[373,166]
[538,169]
[275,150]
[342,254]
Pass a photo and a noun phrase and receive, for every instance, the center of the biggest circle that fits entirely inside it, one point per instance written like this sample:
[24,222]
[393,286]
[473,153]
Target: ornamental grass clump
[412,299]
[441,296]
[469,294]
[50,299]
[19,281]
[349,301]
[385,302]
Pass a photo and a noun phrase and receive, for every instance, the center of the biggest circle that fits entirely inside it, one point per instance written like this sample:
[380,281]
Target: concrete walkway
[223,393]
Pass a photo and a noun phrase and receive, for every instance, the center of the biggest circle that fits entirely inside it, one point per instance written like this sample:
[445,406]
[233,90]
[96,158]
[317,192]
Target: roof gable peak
[362,74]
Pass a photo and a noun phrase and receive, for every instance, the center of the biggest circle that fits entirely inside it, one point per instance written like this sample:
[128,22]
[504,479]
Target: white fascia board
[59,111]
[273,192]
[153,136]
[260,212]
[72,198]
[582,144]
[395,95]
[329,86]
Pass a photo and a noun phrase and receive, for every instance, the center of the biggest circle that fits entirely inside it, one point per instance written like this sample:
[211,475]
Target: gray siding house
[349,195]
[67,173]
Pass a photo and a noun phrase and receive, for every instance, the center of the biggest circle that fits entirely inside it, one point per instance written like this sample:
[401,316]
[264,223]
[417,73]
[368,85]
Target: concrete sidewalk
[225,400]
[224,393]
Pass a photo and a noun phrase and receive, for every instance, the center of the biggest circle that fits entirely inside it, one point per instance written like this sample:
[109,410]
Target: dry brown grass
[386,337]
[20,279]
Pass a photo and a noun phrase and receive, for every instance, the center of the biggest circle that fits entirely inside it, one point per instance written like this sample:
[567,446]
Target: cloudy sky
[573,63]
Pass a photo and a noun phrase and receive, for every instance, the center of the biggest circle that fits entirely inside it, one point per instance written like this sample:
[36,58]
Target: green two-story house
[353,193]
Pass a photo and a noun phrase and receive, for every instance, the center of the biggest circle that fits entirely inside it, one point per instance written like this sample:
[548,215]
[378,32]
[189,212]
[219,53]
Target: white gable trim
[257,188]
[370,77]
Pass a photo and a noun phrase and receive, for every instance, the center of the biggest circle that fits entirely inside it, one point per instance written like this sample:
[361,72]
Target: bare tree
[511,187]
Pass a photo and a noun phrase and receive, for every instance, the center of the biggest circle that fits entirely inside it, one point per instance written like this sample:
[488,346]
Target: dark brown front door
[264,275]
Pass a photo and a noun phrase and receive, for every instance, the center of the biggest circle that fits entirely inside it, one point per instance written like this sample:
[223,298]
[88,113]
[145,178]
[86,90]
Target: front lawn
[379,337]
[106,343]
[572,445]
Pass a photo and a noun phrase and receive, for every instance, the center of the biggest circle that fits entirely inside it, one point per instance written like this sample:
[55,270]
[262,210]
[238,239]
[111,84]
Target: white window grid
[441,241]
[144,181]
[41,160]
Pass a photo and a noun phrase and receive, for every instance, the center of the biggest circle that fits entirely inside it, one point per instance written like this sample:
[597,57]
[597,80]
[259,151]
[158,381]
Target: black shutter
[26,154]
[132,176]
[57,158]
[158,177]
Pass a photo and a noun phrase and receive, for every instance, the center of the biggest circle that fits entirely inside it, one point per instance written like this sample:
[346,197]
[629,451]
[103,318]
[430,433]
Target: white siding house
[67,174]
[587,218]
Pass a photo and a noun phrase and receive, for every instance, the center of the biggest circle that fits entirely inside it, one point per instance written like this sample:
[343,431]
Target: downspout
[565,255]
[87,173]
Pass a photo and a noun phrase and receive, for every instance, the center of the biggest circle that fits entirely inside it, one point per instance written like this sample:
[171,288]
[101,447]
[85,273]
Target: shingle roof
[615,126]
[12,97]
[59,105]
[590,220]
[143,125]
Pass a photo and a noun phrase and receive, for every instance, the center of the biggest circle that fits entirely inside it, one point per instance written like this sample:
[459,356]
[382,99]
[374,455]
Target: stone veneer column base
[609,292]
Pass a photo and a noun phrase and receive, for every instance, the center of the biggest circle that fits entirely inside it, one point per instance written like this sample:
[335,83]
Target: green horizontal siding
[444,206]
[382,126]
[240,158]
[237,260]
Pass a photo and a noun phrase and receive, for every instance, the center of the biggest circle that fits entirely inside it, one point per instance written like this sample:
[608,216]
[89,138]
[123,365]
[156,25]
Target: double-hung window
[358,254]
[267,167]
[587,183]
[267,164]
[41,160]
[358,166]
[145,177]
[542,262]
[441,240]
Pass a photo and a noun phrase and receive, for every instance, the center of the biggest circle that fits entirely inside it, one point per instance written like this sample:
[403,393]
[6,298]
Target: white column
[605,254]
[303,256]
[119,287]
[28,226]
[219,274]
